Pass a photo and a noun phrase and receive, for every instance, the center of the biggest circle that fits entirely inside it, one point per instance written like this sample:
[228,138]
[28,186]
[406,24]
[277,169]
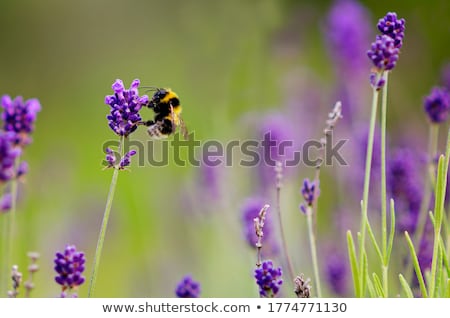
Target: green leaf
[415,261]
[378,285]
[353,263]
[405,286]
[374,241]
[391,234]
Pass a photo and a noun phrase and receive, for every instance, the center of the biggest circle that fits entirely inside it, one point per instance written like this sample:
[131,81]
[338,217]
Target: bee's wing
[183,129]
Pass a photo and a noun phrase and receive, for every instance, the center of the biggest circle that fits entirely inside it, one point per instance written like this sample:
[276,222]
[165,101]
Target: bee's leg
[167,127]
[147,123]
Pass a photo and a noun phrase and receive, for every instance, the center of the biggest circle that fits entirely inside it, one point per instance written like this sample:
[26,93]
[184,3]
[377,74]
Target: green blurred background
[225,59]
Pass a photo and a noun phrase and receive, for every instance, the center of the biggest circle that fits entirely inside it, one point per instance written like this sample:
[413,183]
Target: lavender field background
[241,69]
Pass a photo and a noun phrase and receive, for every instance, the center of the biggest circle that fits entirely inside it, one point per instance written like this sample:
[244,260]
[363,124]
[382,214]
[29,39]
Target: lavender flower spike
[188,288]
[383,53]
[268,279]
[393,27]
[126,160]
[437,105]
[309,193]
[69,265]
[8,155]
[19,117]
[125,106]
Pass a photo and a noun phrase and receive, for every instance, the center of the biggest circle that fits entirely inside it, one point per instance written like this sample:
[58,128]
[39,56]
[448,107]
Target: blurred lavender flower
[383,53]
[125,106]
[404,184]
[19,117]
[310,192]
[188,288]
[69,265]
[126,160]
[276,132]
[393,27]
[268,279]
[250,210]
[16,277]
[209,181]
[8,155]
[437,105]
[336,272]
[5,202]
[22,169]
[347,34]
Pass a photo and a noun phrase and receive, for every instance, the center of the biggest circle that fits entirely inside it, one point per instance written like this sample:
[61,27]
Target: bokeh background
[237,66]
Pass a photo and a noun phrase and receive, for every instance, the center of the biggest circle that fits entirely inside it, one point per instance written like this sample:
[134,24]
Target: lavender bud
[268,279]
[188,288]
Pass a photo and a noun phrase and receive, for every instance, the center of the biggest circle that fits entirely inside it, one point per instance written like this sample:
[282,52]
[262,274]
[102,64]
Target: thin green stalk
[367,184]
[405,286]
[440,190]
[312,244]
[353,264]
[101,237]
[11,222]
[415,261]
[384,235]
[383,169]
[433,137]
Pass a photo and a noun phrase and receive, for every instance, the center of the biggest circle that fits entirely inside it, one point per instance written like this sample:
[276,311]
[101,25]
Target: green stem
[101,237]
[433,137]
[312,244]
[384,238]
[366,187]
[283,237]
[11,222]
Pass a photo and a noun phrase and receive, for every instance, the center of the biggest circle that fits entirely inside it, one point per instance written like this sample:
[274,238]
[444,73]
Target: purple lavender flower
[125,106]
[5,203]
[126,160]
[437,105]
[22,169]
[110,157]
[19,117]
[383,53]
[268,279]
[188,288]
[404,184]
[347,34]
[8,155]
[336,272]
[309,193]
[69,265]
[393,27]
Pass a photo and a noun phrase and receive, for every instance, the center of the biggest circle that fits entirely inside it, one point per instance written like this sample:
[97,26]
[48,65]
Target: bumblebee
[167,108]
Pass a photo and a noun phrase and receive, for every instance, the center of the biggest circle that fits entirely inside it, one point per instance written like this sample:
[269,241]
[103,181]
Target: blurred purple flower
[393,27]
[125,106]
[209,181]
[5,202]
[110,157]
[268,279]
[19,117]
[348,35]
[188,288]
[405,187]
[337,272]
[445,76]
[69,265]
[22,169]
[437,105]
[8,154]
